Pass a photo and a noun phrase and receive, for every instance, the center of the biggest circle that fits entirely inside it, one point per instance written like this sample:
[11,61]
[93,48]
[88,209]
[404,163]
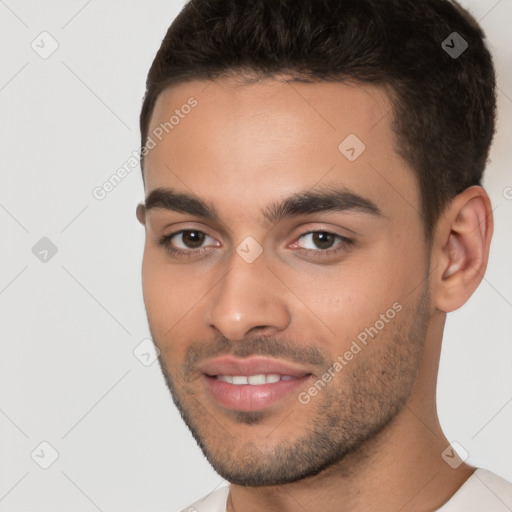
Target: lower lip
[247,397]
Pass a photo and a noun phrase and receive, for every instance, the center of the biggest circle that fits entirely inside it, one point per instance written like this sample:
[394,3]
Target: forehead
[335,104]
[271,138]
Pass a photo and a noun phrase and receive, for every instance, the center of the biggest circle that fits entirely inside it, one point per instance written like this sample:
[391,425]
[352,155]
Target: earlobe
[466,230]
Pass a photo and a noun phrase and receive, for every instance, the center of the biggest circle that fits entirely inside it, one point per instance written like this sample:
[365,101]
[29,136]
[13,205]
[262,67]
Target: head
[313,196]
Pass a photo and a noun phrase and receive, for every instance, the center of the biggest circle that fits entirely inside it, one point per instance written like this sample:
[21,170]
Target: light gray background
[68,375]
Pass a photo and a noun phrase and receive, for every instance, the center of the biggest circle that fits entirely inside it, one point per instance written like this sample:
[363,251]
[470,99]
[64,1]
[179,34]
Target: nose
[248,298]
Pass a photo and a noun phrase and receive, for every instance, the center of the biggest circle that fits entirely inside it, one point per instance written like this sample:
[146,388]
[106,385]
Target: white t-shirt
[483,491]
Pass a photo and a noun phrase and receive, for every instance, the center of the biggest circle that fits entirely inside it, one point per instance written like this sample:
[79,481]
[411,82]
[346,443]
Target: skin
[371,439]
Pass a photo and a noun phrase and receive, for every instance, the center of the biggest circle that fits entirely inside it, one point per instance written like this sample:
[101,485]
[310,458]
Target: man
[313,211]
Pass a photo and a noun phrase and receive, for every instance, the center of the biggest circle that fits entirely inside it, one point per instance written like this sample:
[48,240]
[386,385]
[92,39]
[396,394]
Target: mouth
[252,384]
[254,380]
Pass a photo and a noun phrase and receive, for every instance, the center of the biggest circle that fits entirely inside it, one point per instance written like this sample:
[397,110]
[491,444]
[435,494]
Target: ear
[460,249]
[140,212]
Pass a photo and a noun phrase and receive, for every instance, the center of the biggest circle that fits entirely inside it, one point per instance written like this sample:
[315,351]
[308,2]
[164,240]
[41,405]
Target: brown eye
[322,244]
[192,239]
[187,242]
[323,240]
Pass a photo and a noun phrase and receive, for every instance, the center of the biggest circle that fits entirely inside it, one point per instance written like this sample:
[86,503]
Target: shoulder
[483,490]
[213,502]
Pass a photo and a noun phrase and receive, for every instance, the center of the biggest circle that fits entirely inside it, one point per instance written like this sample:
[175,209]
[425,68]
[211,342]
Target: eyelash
[317,253]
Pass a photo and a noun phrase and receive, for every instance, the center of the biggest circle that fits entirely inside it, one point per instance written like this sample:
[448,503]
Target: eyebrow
[328,199]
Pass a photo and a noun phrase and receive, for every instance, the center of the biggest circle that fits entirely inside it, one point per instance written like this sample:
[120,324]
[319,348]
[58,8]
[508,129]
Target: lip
[248,397]
[254,365]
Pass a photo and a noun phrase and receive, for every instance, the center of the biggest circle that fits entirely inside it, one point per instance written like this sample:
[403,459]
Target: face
[283,272]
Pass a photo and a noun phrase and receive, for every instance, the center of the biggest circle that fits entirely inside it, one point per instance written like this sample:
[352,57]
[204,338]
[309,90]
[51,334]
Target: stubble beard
[341,420]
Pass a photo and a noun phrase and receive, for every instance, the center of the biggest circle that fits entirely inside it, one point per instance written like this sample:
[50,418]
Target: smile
[254,380]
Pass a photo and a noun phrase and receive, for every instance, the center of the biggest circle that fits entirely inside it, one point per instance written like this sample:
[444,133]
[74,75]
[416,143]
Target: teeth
[254,380]
[225,378]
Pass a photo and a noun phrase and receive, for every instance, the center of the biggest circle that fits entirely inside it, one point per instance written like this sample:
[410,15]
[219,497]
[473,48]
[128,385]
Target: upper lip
[254,365]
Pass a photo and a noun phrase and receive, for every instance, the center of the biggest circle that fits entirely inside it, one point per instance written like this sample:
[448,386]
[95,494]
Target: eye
[190,239]
[321,239]
[189,242]
[186,242]
[322,243]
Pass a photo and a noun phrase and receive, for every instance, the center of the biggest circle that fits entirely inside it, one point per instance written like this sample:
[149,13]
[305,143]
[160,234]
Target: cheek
[351,297]
[171,294]
[164,308]
[159,292]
